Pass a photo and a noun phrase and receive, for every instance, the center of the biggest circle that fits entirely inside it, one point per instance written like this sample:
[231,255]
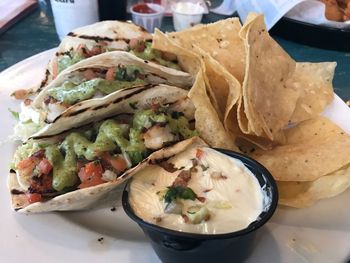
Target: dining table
[36,33]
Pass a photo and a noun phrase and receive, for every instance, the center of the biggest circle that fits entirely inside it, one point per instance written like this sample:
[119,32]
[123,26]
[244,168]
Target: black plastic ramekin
[178,247]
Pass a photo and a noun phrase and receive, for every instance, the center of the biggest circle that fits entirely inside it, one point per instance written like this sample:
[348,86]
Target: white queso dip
[198,191]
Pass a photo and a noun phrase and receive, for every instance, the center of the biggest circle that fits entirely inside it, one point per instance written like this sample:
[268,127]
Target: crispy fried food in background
[337,10]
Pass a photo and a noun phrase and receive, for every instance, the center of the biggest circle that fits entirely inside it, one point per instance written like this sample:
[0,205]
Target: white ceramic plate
[317,234]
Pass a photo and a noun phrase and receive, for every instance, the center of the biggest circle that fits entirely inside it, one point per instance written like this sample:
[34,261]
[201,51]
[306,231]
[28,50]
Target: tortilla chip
[217,92]
[267,102]
[188,60]
[303,194]
[224,87]
[313,149]
[220,40]
[314,82]
[208,123]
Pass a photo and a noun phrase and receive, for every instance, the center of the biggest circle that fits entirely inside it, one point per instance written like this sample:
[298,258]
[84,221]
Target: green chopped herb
[133,105]
[204,168]
[179,192]
[176,114]
[14,114]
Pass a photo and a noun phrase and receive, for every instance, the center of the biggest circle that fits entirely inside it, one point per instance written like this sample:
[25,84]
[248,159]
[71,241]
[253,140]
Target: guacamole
[124,77]
[111,137]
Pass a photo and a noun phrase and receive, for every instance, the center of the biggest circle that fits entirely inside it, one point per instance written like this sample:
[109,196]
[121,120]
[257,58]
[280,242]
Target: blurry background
[36,33]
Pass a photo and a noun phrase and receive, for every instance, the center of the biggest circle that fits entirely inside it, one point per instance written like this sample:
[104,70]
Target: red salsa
[143,9]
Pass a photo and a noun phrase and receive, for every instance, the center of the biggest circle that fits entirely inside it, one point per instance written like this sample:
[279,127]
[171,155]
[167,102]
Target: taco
[92,40]
[73,169]
[92,82]
[106,36]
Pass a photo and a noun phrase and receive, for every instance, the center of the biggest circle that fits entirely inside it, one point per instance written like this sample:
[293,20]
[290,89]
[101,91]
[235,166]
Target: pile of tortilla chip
[252,96]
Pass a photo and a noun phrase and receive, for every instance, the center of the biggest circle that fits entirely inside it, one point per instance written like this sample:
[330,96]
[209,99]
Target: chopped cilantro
[176,114]
[179,192]
[133,105]
[14,114]
[204,168]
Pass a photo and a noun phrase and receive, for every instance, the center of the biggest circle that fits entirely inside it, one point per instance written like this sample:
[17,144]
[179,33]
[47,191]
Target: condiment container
[186,14]
[174,246]
[147,15]
[69,15]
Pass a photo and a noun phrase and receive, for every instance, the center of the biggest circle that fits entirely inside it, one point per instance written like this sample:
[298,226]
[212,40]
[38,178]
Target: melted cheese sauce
[232,194]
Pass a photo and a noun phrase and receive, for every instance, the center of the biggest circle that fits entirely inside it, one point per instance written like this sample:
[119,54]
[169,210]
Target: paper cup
[149,21]
[186,14]
[69,15]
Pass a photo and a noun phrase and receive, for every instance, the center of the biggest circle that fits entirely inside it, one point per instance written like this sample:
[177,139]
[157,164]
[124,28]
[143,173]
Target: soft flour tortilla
[78,114]
[113,104]
[115,59]
[89,197]
[314,148]
[115,35]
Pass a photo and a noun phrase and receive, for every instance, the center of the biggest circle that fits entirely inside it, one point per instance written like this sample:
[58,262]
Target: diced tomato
[94,169]
[137,44]
[94,51]
[34,197]
[110,75]
[91,182]
[54,68]
[90,175]
[89,74]
[27,102]
[199,153]
[103,43]
[81,49]
[155,106]
[83,176]
[26,163]
[117,162]
[80,164]
[45,166]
